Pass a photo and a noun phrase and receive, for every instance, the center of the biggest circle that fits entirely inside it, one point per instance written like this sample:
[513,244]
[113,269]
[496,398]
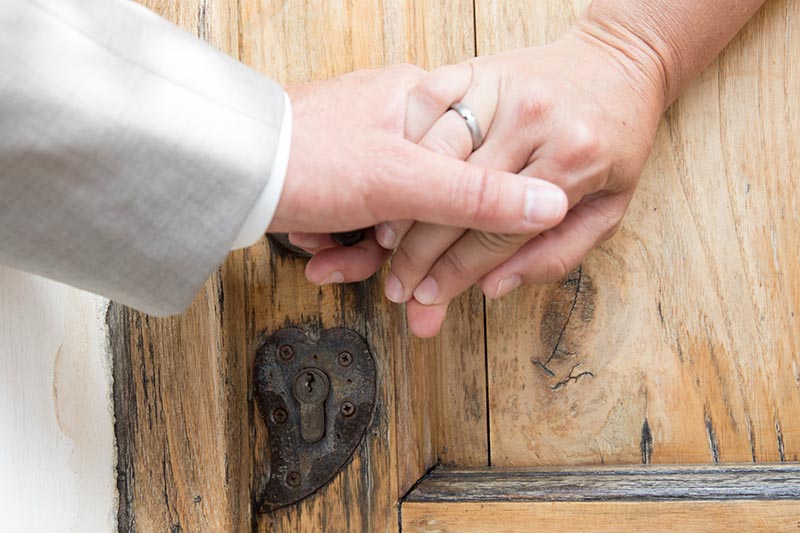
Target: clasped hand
[567,129]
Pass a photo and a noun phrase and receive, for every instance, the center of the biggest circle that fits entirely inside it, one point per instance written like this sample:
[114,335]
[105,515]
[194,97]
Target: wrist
[645,59]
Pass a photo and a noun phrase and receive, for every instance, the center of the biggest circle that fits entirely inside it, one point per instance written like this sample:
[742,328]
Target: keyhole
[311,387]
[309,382]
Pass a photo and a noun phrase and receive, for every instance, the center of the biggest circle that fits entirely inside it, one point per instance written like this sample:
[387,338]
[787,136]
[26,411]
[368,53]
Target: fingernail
[304,240]
[333,277]
[426,292]
[393,289]
[386,236]
[544,204]
[506,285]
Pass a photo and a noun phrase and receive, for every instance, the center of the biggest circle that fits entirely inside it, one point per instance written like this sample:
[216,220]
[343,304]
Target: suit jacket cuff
[257,222]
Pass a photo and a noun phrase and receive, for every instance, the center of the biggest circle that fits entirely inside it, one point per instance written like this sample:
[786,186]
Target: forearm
[667,41]
[130,152]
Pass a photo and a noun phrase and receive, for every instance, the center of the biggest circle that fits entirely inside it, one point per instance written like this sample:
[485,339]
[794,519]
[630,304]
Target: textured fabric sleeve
[264,209]
[131,153]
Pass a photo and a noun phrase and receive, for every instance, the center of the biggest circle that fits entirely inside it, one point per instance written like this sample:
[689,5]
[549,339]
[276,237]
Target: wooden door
[676,342]
[679,340]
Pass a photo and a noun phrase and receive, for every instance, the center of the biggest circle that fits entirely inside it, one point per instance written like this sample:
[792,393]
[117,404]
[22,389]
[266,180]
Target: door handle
[346,238]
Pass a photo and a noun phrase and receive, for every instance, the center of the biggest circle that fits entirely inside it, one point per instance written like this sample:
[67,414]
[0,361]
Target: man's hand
[351,167]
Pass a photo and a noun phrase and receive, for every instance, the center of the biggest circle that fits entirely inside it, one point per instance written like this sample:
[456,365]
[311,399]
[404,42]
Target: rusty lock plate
[316,397]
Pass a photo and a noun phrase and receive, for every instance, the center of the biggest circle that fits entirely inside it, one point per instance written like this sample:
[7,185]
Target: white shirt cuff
[257,222]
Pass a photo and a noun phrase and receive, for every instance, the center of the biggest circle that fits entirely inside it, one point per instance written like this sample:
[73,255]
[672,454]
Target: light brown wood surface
[686,322]
[193,453]
[678,340]
[601,517]
[708,498]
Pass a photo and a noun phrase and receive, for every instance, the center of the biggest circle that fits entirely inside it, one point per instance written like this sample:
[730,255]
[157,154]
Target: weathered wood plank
[326,40]
[192,445]
[443,33]
[602,517]
[461,423]
[677,341]
[694,498]
[622,483]
[177,393]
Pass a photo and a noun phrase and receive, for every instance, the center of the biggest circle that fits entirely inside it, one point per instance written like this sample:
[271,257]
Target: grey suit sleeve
[130,152]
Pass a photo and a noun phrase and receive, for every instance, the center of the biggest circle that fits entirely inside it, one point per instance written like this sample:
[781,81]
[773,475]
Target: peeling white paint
[56,417]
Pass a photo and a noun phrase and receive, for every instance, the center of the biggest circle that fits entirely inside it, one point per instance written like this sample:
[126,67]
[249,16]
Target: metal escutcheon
[316,395]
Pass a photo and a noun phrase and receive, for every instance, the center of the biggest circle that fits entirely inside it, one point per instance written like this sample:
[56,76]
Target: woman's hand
[580,112]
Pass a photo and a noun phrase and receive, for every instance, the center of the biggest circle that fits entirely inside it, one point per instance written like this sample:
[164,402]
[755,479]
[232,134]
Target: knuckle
[401,229]
[607,214]
[455,265]
[402,262]
[443,145]
[555,268]
[581,146]
[408,75]
[497,243]
[477,197]
[609,232]
[533,108]
[432,92]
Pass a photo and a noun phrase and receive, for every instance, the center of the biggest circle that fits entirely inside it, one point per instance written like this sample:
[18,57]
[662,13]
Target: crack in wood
[752,437]
[646,444]
[713,443]
[779,435]
[572,299]
[572,377]
[560,338]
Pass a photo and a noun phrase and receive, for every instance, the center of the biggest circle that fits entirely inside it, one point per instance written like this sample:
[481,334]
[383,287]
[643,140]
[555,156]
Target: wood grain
[694,498]
[180,408]
[601,517]
[192,445]
[443,33]
[677,341]
[779,481]
[333,39]
[461,423]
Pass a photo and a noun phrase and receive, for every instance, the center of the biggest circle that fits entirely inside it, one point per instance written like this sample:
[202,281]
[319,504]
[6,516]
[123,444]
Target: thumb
[433,188]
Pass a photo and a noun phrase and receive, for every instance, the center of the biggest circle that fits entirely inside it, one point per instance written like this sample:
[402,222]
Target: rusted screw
[345,358]
[280,415]
[347,408]
[285,352]
[293,479]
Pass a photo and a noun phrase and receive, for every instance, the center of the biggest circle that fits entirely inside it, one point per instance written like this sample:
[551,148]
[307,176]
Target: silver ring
[472,124]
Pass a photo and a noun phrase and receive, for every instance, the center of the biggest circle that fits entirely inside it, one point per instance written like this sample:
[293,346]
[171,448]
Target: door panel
[676,341]
[193,453]
[602,517]
[709,498]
